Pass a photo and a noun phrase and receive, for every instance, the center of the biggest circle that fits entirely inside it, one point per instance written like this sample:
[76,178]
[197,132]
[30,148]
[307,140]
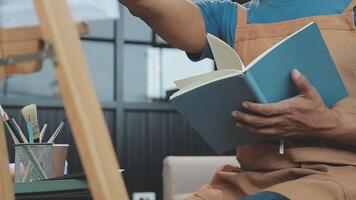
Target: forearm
[346,130]
[179,22]
[143,8]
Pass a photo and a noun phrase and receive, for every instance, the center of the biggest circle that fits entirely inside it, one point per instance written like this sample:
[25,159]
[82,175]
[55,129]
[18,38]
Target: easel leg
[2,68]
[81,104]
[6,190]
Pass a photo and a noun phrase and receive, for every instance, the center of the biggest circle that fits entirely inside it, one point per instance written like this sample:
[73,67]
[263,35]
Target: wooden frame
[22,41]
[6,190]
[81,105]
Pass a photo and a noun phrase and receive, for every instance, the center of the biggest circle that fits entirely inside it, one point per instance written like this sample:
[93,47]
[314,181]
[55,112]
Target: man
[320,158]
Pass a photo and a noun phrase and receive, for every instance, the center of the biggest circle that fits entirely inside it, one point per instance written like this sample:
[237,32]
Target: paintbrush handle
[16,129]
[30,132]
[14,138]
[43,132]
[55,134]
[36,131]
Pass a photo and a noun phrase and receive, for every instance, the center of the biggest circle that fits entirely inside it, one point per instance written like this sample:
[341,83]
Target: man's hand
[304,115]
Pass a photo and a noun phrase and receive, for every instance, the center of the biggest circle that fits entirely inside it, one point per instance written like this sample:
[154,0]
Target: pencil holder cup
[59,159]
[33,162]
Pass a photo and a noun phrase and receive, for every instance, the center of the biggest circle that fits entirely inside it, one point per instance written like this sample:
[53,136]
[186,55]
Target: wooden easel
[81,104]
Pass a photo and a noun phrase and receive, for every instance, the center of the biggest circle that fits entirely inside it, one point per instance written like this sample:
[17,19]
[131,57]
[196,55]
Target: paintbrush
[16,129]
[43,131]
[56,132]
[12,126]
[4,116]
[14,138]
[29,112]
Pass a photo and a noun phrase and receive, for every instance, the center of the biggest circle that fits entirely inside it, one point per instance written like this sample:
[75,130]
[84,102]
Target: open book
[206,101]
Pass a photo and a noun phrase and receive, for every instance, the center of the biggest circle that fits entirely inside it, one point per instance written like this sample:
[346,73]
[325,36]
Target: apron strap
[241,22]
[350,7]
[241,16]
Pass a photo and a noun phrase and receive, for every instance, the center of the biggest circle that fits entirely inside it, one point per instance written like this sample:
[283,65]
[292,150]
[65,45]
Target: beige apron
[310,168]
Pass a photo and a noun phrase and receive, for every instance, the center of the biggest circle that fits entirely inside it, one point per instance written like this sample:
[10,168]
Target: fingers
[279,132]
[302,82]
[270,109]
[256,121]
[264,131]
[265,126]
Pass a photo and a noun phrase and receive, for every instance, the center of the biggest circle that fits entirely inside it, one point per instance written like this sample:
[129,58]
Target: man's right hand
[179,22]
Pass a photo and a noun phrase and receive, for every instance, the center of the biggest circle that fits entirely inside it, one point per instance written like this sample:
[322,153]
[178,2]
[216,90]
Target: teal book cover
[206,101]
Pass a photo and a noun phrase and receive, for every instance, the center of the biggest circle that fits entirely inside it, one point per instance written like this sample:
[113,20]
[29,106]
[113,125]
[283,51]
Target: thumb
[302,83]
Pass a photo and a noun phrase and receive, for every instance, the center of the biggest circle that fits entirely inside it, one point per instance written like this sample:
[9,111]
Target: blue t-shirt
[220,15]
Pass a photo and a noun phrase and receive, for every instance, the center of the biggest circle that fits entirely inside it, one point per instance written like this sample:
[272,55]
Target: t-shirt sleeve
[220,20]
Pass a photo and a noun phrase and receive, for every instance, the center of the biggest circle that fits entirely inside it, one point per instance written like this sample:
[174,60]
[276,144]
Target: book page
[205,79]
[225,57]
[183,83]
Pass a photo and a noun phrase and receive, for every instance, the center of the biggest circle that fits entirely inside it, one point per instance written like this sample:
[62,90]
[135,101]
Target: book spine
[251,83]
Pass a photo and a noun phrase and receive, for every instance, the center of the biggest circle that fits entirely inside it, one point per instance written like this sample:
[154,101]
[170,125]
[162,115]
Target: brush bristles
[30,114]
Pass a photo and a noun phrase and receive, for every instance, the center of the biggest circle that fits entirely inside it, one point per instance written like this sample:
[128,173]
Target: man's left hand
[304,115]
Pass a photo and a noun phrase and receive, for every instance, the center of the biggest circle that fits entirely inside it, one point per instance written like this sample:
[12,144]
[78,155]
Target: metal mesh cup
[33,162]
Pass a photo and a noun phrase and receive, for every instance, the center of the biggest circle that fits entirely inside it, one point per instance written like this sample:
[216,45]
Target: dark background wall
[150,136]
